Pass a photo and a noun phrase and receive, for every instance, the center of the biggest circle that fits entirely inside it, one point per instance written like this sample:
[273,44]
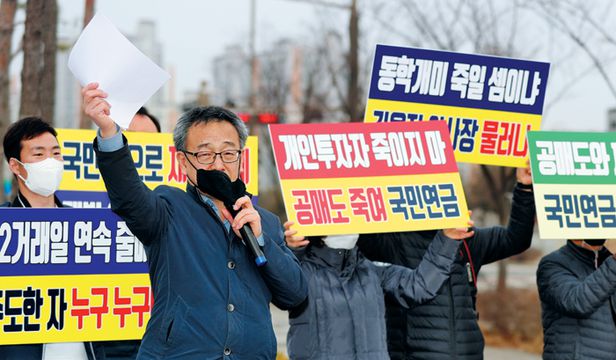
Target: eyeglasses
[208,157]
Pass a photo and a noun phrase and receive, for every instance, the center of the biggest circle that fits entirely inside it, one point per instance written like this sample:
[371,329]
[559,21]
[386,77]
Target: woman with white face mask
[33,154]
[344,315]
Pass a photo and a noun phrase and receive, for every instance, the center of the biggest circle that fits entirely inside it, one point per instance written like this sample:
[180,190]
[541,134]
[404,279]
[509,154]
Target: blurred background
[300,61]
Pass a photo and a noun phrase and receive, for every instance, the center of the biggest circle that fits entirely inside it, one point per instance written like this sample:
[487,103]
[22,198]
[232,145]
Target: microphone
[217,184]
[249,238]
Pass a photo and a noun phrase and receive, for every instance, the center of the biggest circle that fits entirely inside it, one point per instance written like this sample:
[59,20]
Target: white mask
[341,241]
[44,177]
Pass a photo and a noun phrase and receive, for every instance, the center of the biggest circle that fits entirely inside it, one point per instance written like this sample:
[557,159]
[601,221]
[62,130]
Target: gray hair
[206,114]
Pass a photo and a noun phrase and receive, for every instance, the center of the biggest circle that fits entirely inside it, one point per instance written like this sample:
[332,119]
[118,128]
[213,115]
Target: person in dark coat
[577,287]
[211,301]
[446,327]
[344,315]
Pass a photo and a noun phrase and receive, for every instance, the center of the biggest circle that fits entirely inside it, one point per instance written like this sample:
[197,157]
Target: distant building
[231,85]
[161,104]
[293,81]
[145,39]
[68,91]
[68,99]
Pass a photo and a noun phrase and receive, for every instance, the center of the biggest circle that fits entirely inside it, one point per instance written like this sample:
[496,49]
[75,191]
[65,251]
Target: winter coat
[446,327]
[210,299]
[578,304]
[344,315]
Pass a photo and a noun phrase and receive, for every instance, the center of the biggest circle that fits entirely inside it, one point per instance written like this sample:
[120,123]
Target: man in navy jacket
[577,287]
[210,299]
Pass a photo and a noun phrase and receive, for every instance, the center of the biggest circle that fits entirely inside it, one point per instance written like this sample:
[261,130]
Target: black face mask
[218,184]
[595,242]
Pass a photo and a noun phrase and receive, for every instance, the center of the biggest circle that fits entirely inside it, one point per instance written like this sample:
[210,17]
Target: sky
[193,32]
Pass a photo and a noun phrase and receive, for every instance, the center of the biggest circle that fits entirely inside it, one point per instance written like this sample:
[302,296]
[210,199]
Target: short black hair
[204,115]
[24,129]
[143,111]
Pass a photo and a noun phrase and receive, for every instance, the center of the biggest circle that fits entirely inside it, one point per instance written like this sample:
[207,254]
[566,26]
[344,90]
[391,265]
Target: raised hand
[96,107]
[290,237]
[524,175]
[461,233]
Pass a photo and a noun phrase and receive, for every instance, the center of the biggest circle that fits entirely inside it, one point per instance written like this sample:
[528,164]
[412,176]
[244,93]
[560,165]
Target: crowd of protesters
[397,295]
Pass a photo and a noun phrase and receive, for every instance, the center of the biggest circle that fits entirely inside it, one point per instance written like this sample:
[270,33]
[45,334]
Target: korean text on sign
[349,178]
[575,184]
[489,103]
[71,275]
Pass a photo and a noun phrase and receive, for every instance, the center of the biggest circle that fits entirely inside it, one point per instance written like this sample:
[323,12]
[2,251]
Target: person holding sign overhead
[446,327]
[211,297]
[344,315]
[577,287]
[33,154]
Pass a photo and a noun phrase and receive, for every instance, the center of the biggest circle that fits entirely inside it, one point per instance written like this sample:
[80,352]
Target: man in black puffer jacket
[446,327]
[577,286]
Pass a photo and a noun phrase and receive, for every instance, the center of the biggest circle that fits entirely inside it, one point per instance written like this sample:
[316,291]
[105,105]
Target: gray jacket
[578,304]
[344,315]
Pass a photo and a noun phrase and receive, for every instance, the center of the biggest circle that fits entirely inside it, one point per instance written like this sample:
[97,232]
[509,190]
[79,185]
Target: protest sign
[70,275]
[155,160]
[488,102]
[364,178]
[574,177]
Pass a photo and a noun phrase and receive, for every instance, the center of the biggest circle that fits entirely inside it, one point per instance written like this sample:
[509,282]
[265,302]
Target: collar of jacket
[17,203]
[194,192]
[196,195]
[340,260]
[588,256]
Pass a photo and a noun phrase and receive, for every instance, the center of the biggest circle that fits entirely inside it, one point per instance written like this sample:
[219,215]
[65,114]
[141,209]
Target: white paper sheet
[103,55]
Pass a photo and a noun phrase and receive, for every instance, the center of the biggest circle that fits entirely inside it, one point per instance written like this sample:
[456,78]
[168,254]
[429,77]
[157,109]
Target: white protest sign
[103,55]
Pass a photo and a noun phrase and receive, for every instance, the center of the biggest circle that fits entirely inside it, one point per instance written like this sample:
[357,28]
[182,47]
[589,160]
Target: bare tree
[7,19]
[88,11]
[39,68]
[585,27]
[349,71]
[314,97]
[353,102]
[275,82]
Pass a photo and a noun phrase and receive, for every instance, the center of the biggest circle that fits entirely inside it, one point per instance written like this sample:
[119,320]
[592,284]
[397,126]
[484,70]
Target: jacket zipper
[452,321]
[92,349]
